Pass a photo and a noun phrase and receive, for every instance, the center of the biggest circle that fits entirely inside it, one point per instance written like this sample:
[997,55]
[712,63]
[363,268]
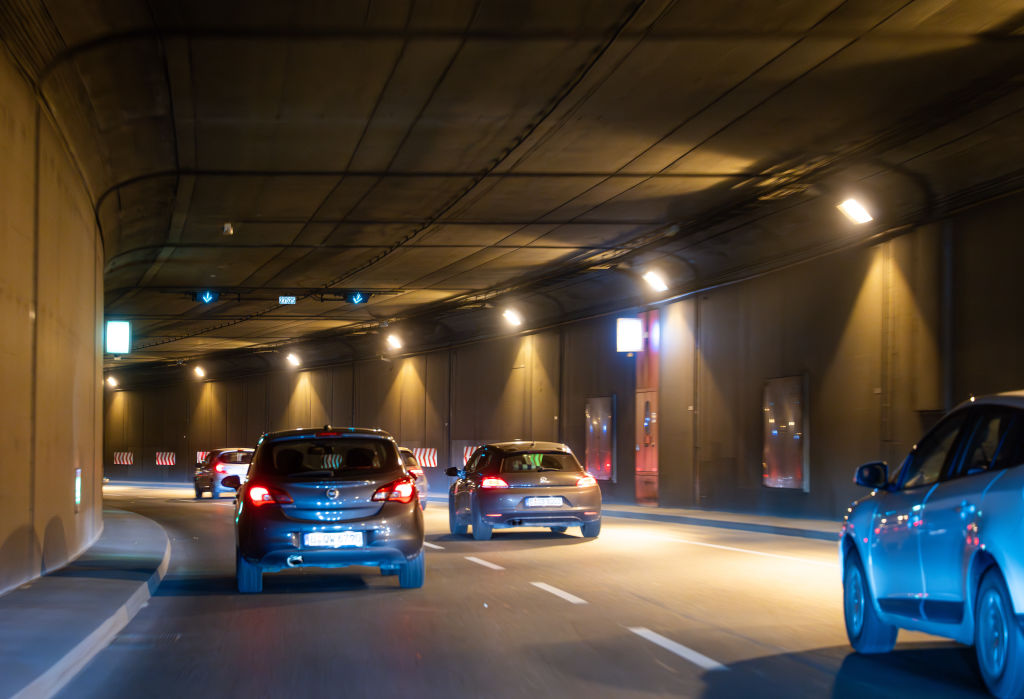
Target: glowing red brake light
[493,482]
[586,481]
[401,490]
[219,468]
[262,495]
[328,434]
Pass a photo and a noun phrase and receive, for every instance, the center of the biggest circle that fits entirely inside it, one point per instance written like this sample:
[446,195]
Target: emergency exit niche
[647,411]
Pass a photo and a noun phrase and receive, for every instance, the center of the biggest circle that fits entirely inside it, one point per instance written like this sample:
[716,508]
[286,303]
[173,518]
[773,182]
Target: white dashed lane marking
[828,564]
[485,564]
[560,593]
[433,546]
[678,648]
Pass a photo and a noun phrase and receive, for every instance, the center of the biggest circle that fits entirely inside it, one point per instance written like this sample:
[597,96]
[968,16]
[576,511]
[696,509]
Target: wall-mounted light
[112,382]
[655,281]
[200,372]
[855,211]
[293,359]
[512,317]
[394,341]
[629,335]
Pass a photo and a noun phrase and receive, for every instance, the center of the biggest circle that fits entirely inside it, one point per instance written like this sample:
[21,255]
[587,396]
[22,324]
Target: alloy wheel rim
[855,601]
[992,637]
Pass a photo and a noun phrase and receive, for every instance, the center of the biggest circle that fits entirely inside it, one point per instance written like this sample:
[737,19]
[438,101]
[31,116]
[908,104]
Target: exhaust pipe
[294,560]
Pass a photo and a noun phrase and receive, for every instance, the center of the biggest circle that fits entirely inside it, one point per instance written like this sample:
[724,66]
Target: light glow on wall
[512,316]
[655,281]
[629,335]
[111,381]
[855,211]
[293,359]
[200,372]
[394,341]
[78,488]
[119,336]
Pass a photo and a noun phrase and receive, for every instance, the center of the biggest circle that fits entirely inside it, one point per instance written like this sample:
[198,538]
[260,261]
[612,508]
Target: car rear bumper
[502,508]
[392,536]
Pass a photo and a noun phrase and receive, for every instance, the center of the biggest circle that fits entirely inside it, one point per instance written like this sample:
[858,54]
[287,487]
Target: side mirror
[874,474]
[452,471]
[233,482]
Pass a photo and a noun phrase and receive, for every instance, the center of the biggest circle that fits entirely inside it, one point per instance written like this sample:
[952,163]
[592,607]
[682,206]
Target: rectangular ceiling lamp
[119,336]
[629,335]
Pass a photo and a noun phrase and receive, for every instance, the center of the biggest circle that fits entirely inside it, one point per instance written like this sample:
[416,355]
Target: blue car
[938,544]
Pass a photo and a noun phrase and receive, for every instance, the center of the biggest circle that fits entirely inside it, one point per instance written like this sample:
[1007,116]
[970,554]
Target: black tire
[590,530]
[454,526]
[410,575]
[249,576]
[998,638]
[482,531]
[199,491]
[558,530]
[867,633]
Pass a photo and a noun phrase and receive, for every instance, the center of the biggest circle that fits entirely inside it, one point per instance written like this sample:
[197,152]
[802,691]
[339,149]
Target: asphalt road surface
[647,609]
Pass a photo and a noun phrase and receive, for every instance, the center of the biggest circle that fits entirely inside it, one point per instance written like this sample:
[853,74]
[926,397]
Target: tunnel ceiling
[451,157]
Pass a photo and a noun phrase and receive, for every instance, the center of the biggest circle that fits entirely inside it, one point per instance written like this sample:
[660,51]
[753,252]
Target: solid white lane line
[678,648]
[485,564]
[433,546]
[829,564]
[560,593]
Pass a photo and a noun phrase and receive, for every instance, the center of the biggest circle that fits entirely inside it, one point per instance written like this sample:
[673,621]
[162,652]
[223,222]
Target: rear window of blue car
[539,461]
[328,458]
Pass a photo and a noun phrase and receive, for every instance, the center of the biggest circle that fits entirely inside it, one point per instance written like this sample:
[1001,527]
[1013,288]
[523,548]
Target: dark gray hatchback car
[523,484]
[329,498]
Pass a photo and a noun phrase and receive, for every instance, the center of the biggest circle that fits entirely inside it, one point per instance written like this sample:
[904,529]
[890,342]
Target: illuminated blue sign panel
[357,297]
[286,300]
[206,296]
[119,336]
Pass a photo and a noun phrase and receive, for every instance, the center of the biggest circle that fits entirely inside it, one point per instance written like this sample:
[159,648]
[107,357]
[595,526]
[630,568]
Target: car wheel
[998,638]
[591,529]
[867,633]
[453,522]
[411,574]
[558,530]
[199,491]
[481,530]
[248,575]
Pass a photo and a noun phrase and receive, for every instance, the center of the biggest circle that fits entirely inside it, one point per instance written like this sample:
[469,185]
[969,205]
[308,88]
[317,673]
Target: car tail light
[219,468]
[264,495]
[328,434]
[586,481]
[401,490]
[493,482]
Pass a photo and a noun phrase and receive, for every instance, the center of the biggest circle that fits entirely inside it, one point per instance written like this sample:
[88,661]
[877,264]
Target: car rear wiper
[548,468]
[322,472]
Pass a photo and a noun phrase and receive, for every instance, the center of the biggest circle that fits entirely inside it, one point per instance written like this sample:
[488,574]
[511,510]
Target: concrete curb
[66,667]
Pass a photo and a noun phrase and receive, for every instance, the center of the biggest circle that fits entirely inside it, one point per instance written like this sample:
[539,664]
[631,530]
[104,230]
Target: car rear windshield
[328,458]
[539,461]
[234,457]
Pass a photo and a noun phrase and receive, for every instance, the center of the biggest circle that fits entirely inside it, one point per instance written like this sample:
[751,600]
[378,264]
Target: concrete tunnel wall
[51,305]
[863,327]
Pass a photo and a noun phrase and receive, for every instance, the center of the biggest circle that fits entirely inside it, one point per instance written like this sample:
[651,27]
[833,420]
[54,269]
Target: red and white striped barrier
[201,456]
[124,458]
[165,458]
[466,453]
[425,456]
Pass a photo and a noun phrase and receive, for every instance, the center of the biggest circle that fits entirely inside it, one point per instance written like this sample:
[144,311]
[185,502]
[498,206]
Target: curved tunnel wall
[50,346]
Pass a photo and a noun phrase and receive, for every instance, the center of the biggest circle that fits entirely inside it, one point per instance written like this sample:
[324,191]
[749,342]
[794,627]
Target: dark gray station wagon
[328,498]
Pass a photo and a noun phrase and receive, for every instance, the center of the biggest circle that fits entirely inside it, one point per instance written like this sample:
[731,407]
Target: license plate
[333,540]
[544,501]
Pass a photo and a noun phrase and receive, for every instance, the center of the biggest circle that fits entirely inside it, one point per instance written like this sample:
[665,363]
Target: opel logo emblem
[333,493]
[544,479]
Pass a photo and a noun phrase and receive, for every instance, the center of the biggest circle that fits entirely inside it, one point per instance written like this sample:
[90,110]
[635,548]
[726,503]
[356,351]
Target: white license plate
[544,501]
[333,540]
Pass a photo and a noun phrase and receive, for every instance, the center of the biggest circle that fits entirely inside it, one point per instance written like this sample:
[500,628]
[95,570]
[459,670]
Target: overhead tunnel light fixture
[293,359]
[200,372]
[394,342]
[655,281]
[512,317]
[112,382]
[855,211]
